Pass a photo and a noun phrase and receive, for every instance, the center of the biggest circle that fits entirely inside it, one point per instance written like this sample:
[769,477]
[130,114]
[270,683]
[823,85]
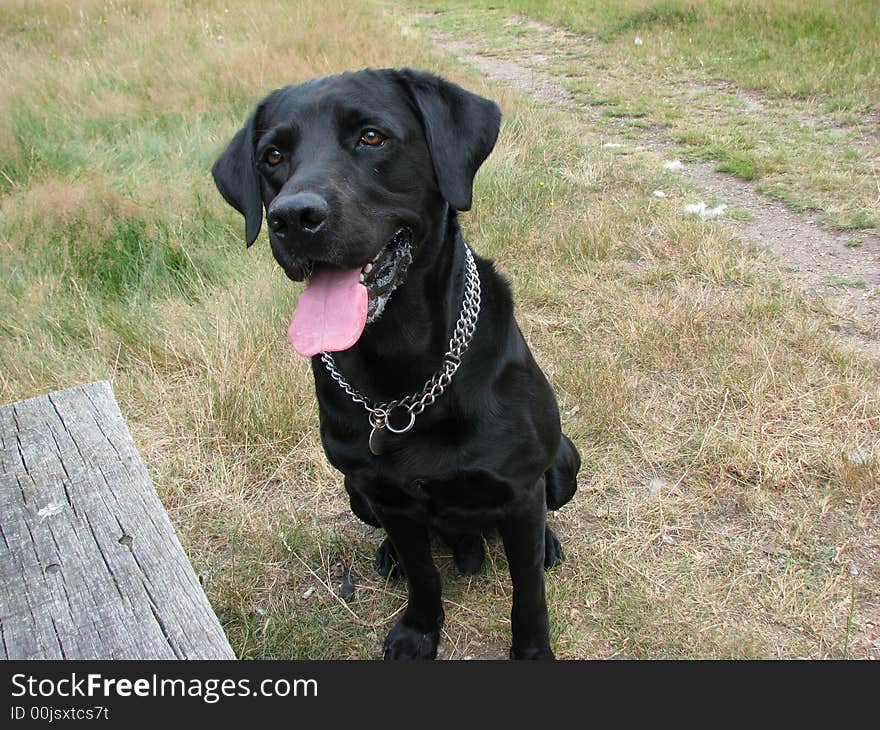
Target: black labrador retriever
[430,401]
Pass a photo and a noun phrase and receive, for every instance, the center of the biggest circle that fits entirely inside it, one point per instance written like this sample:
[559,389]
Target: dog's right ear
[235,174]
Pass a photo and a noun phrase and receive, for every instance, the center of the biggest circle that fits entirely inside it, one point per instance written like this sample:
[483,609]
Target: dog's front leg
[416,635]
[522,532]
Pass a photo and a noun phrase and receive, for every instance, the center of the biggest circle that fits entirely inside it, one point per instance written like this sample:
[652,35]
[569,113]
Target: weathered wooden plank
[90,565]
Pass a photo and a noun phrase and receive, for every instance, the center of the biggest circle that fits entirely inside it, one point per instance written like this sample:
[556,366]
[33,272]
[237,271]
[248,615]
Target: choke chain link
[416,403]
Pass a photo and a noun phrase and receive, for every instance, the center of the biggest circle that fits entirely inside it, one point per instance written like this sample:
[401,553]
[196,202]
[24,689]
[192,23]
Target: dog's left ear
[235,174]
[461,129]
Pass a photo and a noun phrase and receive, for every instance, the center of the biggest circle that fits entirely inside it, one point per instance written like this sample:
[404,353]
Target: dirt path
[843,266]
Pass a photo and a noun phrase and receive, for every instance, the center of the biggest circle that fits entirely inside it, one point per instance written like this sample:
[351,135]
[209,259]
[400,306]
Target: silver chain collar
[437,384]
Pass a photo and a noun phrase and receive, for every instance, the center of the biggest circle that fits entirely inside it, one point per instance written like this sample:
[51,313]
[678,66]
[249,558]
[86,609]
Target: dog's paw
[544,652]
[553,554]
[469,554]
[405,642]
[386,563]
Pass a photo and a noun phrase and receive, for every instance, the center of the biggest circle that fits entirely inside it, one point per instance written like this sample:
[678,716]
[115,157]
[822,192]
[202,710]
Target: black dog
[361,175]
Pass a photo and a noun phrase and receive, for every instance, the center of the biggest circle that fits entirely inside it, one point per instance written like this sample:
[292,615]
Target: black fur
[488,455]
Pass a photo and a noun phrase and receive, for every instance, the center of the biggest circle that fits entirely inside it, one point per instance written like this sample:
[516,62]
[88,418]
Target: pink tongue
[330,314]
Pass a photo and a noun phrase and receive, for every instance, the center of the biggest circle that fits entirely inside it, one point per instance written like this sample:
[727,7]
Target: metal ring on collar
[412,421]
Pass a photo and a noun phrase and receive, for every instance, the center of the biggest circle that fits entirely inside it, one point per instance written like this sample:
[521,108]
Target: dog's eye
[273,156]
[371,138]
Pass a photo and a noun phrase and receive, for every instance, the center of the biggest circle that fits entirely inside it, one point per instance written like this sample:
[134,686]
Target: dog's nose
[299,213]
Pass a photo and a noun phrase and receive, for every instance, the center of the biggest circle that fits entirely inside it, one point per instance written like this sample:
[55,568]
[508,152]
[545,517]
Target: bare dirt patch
[534,82]
[817,258]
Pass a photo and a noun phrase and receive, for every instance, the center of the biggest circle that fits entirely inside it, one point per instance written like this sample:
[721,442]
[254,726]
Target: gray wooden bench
[90,566]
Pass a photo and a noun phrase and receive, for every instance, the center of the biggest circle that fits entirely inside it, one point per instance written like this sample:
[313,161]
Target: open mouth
[386,272]
[338,303]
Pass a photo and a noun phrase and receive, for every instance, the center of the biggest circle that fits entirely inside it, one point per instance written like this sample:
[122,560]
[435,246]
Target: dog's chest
[465,496]
[448,468]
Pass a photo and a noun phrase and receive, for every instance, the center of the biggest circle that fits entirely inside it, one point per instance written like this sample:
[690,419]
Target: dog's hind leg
[561,483]
[386,563]
[468,552]
[561,477]
[553,554]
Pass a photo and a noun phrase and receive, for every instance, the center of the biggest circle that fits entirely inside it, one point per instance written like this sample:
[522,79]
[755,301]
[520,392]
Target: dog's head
[353,169]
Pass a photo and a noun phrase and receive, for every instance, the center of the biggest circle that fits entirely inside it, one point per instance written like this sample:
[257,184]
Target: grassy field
[729,504]
[784,47]
[785,93]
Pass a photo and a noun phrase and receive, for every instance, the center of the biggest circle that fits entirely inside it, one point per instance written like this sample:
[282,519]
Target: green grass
[714,412]
[843,281]
[659,14]
[783,47]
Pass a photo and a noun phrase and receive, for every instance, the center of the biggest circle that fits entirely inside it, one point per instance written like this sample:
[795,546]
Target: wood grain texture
[90,565]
